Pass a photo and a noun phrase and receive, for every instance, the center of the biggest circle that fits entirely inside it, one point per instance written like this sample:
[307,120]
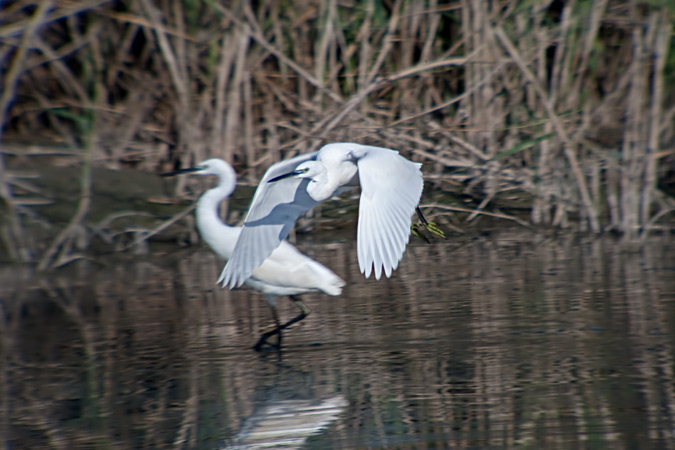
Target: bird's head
[308,169]
[212,166]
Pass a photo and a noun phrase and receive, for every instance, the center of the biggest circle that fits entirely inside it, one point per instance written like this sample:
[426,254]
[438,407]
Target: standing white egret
[391,187]
[286,271]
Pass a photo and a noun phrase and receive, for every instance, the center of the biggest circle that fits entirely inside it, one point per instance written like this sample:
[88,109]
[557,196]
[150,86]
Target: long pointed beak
[286,175]
[180,171]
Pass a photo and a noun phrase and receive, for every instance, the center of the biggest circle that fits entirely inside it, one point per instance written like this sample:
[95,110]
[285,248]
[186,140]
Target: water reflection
[286,423]
[508,341]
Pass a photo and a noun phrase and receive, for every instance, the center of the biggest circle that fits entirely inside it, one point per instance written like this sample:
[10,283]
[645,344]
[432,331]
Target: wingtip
[221,278]
[365,270]
[234,283]
[231,284]
[227,280]
[378,271]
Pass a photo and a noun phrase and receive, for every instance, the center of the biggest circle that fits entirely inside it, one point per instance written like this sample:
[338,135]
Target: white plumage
[391,187]
[285,271]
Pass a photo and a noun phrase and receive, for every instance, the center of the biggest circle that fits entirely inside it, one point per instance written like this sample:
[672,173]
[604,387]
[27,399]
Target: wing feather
[391,187]
[274,209]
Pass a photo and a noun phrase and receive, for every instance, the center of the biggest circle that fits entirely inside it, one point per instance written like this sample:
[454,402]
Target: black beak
[286,175]
[180,171]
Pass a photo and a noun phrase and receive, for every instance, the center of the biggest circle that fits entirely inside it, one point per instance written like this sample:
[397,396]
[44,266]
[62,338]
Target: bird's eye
[305,170]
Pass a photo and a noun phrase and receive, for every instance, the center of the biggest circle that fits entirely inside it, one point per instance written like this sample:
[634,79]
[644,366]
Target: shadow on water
[508,341]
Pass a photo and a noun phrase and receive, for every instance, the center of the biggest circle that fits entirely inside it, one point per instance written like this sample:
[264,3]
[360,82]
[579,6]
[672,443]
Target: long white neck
[320,187]
[217,234]
[325,183]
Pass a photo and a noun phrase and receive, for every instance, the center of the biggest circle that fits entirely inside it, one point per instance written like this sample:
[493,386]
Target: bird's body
[286,271]
[391,187]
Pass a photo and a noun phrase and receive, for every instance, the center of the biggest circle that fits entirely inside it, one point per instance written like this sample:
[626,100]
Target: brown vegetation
[569,105]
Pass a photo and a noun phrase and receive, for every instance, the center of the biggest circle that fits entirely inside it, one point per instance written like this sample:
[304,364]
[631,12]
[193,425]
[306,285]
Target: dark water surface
[508,341]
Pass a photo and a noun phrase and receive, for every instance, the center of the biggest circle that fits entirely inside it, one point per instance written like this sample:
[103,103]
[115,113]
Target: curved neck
[208,203]
[319,187]
[326,182]
[216,233]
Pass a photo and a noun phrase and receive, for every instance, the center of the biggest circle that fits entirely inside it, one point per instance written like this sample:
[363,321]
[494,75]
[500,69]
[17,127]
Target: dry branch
[568,145]
[15,241]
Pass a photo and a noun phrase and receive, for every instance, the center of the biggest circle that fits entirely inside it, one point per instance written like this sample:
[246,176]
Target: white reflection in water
[502,342]
[287,423]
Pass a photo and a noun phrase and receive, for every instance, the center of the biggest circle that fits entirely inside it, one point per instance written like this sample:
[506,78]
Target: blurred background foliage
[553,113]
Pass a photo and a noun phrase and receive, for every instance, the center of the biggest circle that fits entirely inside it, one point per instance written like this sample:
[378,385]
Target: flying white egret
[391,187]
[285,271]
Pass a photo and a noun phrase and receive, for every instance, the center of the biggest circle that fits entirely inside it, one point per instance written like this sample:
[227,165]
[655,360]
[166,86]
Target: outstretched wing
[391,187]
[274,209]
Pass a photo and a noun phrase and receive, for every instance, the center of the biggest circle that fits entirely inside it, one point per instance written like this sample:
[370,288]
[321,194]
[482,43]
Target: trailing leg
[304,311]
[277,330]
